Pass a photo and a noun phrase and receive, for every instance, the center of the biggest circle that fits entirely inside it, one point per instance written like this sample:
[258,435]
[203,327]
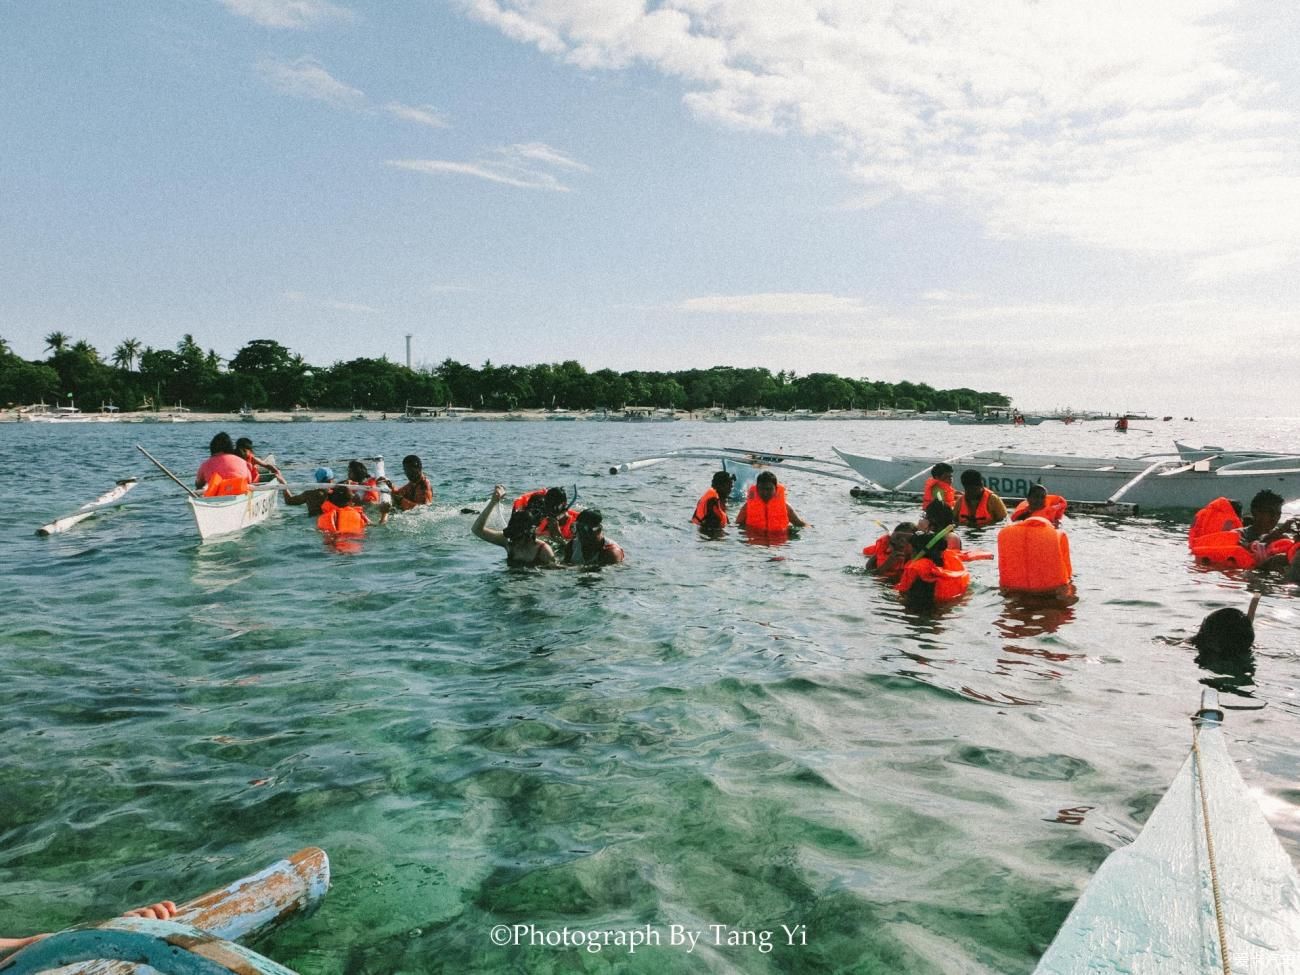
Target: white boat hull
[1150,907]
[1089,479]
[226,515]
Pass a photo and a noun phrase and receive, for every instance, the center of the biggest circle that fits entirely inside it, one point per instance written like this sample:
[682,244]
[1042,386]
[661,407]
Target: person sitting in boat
[939,484]
[1039,504]
[417,490]
[556,520]
[313,498]
[977,505]
[765,511]
[891,551]
[162,911]
[223,460]
[518,538]
[711,510]
[589,546]
[244,448]
[341,513]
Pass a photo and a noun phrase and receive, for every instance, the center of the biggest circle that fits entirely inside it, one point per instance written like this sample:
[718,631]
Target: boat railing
[1290,462]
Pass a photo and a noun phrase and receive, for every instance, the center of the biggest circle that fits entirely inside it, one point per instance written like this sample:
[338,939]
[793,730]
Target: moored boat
[1206,886]
[227,514]
[1151,481]
[202,935]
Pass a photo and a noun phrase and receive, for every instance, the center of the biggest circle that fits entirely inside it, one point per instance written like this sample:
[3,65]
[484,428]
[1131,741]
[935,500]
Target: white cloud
[521,165]
[306,78]
[1126,126]
[787,303]
[425,115]
[293,14]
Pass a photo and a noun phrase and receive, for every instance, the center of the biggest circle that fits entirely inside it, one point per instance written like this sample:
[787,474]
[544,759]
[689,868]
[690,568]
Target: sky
[1088,205]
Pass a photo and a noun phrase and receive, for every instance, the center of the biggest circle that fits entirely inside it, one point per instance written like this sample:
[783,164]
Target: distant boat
[996,416]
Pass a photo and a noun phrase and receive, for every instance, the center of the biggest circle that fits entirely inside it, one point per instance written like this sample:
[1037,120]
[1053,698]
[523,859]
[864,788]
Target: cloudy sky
[1086,204]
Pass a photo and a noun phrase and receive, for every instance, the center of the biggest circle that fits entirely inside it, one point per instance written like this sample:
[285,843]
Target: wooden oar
[108,499]
[159,464]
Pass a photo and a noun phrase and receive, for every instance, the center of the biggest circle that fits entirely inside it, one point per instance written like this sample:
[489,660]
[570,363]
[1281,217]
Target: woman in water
[518,538]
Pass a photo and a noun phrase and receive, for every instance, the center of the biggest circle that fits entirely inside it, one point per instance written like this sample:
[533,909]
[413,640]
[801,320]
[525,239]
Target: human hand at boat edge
[161,911]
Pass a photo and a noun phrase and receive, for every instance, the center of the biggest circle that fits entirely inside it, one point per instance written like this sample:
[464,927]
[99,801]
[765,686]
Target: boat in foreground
[227,514]
[202,936]
[1206,886]
[1150,481]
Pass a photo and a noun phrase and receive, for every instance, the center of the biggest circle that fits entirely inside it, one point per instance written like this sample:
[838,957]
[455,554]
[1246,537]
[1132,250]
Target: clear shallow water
[712,733]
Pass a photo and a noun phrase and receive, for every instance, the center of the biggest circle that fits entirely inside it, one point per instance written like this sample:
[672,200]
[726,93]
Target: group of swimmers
[543,530]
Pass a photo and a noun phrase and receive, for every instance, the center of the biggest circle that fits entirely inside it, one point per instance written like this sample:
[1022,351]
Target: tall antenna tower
[408,350]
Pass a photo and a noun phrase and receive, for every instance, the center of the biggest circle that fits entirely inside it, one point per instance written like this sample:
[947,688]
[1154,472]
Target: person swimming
[518,538]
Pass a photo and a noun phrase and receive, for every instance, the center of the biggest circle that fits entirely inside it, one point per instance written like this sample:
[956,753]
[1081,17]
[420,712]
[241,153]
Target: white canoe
[233,513]
[1152,906]
[1152,481]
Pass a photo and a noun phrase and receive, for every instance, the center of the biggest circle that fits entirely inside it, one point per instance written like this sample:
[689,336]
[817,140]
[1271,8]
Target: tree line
[266,375]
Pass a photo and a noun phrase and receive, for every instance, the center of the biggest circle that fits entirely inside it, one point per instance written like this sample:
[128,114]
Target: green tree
[127,351]
[56,342]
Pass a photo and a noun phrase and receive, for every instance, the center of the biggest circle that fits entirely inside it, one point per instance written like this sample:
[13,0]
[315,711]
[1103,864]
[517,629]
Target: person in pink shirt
[224,461]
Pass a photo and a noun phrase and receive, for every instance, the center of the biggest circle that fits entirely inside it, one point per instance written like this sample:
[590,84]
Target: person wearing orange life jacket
[1034,556]
[936,575]
[765,511]
[939,484]
[555,519]
[711,510]
[1262,543]
[222,460]
[891,552]
[1220,515]
[417,490]
[1039,504]
[977,505]
[341,514]
[244,448]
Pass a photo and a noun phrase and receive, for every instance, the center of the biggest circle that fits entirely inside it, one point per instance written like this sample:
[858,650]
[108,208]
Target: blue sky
[1092,205]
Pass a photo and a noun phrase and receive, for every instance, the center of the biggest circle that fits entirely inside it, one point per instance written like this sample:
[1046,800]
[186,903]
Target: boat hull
[220,516]
[1085,479]
[1150,907]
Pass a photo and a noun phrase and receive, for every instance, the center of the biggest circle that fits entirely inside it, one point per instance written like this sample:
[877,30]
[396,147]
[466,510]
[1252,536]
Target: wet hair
[340,495]
[221,444]
[1266,499]
[357,471]
[766,477]
[972,478]
[242,444]
[904,526]
[557,500]
[723,481]
[590,518]
[1225,631]
[1236,506]
[521,527]
[941,470]
[923,549]
[412,460]
[938,514]
[1036,490]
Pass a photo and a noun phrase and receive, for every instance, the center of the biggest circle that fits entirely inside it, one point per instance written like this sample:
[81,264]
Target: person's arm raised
[480,529]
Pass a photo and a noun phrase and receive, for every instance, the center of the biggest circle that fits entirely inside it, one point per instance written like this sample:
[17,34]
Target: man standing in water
[416,491]
[589,545]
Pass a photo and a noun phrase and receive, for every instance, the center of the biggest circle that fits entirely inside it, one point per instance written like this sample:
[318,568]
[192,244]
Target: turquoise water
[713,733]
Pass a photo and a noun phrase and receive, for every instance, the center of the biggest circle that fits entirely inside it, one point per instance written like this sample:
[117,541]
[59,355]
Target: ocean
[757,747]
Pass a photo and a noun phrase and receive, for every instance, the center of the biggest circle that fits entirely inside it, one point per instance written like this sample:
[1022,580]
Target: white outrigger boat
[201,938]
[1206,886]
[1150,481]
[227,514]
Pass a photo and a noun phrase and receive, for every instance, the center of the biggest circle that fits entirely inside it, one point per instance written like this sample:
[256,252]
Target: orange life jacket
[1217,516]
[366,497]
[523,499]
[1223,550]
[219,486]
[880,548]
[565,524]
[702,508]
[950,579]
[770,517]
[341,521]
[980,516]
[943,487]
[1053,508]
[1033,556]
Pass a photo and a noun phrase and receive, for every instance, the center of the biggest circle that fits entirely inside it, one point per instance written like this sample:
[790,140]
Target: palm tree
[56,341]
[126,353]
[84,348]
